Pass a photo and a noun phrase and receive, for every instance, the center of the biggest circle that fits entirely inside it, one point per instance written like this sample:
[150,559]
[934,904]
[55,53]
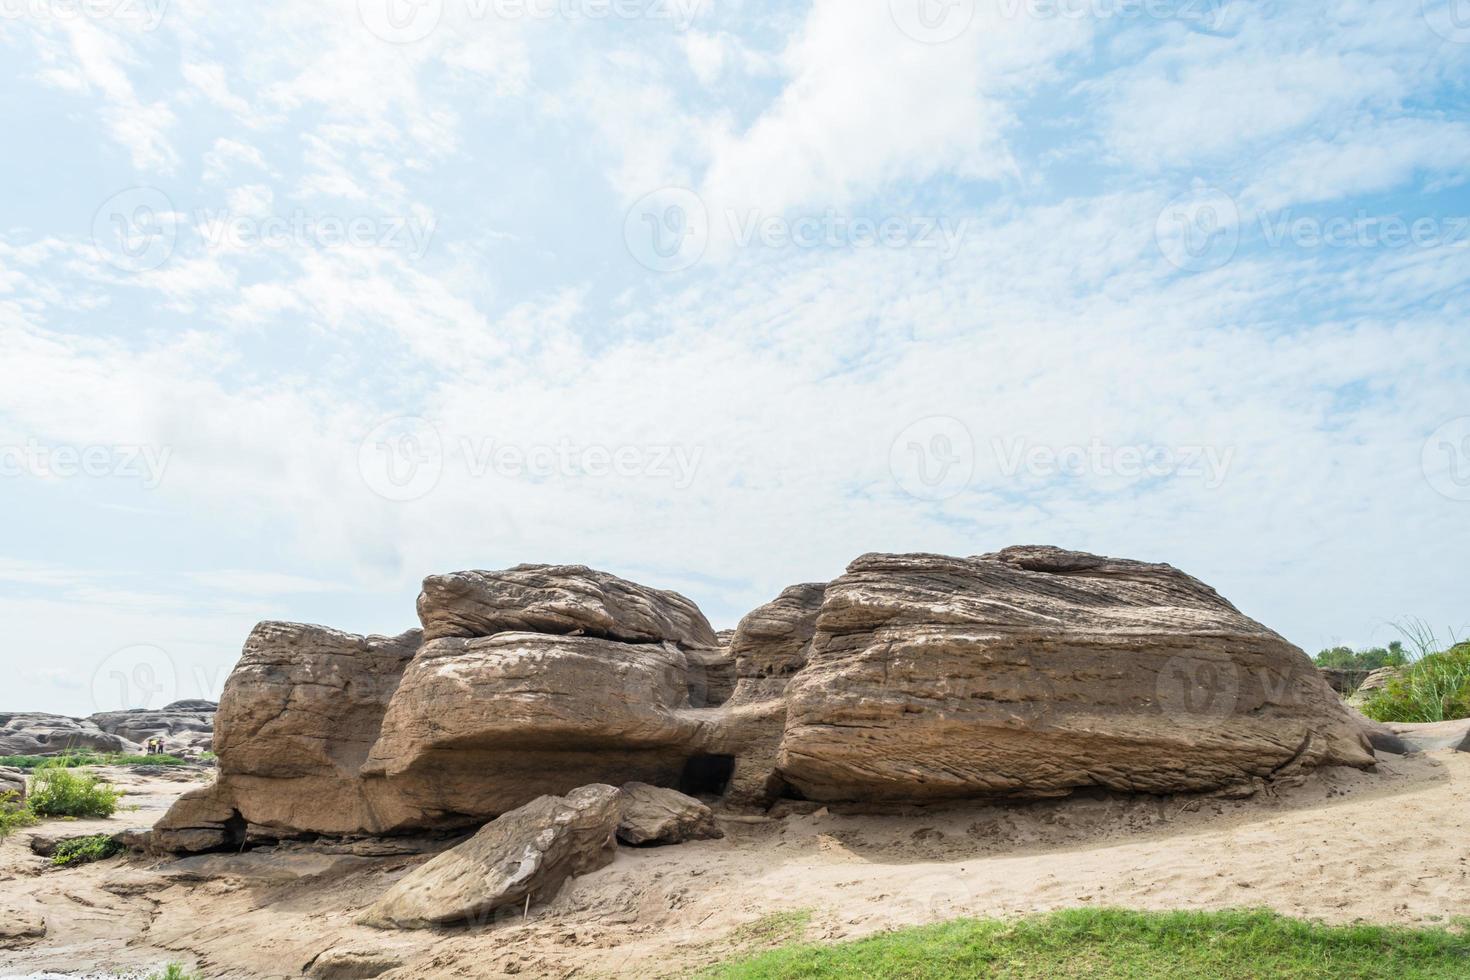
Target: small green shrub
[85,850]
[1435,687]
[57,791]
[14,815]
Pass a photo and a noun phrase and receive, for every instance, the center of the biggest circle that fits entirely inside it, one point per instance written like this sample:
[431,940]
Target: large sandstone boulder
[658,815]
[558,599]
[480,726]
[526,854]
[1034,672]
[32,733]
[297,719]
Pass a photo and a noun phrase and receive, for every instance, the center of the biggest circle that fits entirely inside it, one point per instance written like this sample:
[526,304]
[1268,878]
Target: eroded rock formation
[1034,671]
[1031,672]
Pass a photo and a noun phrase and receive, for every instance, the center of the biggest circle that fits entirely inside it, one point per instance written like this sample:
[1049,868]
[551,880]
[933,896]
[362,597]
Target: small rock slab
[520,857]
[657,815]
[352,964]
[262,866]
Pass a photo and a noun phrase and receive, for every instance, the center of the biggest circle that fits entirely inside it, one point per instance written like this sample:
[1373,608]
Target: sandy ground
[1391,846]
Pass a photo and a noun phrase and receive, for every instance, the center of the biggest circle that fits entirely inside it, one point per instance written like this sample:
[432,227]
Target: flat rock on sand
[527,853]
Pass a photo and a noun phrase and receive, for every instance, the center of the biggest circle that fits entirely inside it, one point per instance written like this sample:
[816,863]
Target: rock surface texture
[528,853]
[658,815]
[1028,673]
[1034,672]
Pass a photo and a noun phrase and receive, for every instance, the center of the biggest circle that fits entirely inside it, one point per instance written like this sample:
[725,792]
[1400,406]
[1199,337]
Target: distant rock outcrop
[1027,673]
[29,733]
[184,726]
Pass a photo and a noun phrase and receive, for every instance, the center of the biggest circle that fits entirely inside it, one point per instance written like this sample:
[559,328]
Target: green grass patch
[85,850]
[58,791]
[14,815]
[76,760]
[1113,944]
[1436,687]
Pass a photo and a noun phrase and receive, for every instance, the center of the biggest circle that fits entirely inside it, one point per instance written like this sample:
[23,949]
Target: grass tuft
[14,815]
[175,971]
[1113,944]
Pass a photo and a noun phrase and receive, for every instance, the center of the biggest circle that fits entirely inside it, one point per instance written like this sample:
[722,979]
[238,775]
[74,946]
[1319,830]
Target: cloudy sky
[300,302]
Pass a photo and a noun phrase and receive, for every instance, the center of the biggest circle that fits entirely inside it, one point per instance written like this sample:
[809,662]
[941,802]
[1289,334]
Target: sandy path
[1391,846]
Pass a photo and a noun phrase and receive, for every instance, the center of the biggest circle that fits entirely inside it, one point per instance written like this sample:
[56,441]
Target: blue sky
[302,302]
